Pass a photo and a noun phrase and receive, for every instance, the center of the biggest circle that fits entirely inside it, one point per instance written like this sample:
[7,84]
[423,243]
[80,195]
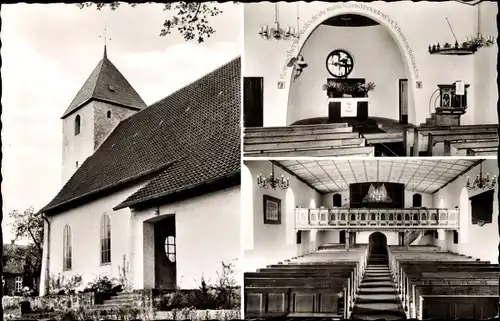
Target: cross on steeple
[105,41]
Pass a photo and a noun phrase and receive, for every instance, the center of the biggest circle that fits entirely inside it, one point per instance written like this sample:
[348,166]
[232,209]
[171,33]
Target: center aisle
[377,297]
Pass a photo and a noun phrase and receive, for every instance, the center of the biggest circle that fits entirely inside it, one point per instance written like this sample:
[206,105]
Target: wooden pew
[454,148]
[305,140]
[417,271]
[457,280]
[424,273]
[305,286]
[297,291]
[296,296]
[421,136]
[436,140]
[485,151]
[383,138]
[315,128]
[449,304]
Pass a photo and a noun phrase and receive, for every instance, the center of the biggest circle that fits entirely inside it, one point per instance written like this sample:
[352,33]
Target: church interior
[367,79]
[370,239]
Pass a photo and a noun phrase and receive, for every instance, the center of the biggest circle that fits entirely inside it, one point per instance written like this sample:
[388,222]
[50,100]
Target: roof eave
[106,188]
[179,190]
[104,101]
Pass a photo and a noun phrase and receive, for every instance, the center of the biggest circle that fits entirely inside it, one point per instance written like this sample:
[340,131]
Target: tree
[29,226]
[191,19]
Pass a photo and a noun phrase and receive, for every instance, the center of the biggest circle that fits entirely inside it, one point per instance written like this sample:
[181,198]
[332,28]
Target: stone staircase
[115,302]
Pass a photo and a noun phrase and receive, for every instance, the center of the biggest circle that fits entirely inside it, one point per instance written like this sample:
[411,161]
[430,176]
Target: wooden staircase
[432,121]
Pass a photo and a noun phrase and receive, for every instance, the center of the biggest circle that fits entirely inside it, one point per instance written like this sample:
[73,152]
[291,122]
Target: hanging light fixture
[272,181]
[377,194]
[276,32]
[481,182]
[468,47]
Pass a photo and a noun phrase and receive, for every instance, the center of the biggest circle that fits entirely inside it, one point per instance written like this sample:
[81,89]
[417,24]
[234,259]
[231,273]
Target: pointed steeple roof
[106,83]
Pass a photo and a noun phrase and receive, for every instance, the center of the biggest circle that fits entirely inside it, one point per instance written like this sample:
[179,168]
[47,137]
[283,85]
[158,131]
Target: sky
[48,51]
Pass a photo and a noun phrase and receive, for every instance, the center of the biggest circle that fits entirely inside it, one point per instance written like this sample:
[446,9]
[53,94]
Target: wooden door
[253,101]
[403,101]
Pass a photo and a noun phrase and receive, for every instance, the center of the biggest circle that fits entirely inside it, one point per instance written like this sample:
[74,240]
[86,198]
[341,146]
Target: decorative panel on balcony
[403,218]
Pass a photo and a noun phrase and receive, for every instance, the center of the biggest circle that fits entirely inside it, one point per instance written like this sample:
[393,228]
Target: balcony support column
[347,240]
[406,240]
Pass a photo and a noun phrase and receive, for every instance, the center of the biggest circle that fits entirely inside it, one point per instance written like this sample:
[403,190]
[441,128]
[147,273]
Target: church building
[371,239]
[155,189]
[400,78]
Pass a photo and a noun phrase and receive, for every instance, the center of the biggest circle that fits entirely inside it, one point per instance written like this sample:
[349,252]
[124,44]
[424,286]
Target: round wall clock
[339,63]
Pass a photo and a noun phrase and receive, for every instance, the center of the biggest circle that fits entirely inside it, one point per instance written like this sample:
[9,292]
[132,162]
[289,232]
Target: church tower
[104,100]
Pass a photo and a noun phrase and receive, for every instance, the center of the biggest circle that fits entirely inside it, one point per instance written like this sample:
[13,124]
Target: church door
[403,101]
[165,254]
[378,243]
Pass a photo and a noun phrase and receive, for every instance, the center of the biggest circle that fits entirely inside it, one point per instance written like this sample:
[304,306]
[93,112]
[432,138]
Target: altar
[356,107]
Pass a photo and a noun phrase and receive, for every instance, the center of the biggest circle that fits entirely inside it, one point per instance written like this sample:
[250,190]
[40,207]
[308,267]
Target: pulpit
[452,104]
[339,108]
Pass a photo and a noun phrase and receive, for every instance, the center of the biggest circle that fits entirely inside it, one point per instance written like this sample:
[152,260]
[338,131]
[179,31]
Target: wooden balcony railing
[358,218]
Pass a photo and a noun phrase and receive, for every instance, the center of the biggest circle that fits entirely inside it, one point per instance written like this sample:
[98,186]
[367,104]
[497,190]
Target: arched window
[170,248]
[67,252]
[77,124]
[109,113]
[337,200]
[105,239]
[417,200]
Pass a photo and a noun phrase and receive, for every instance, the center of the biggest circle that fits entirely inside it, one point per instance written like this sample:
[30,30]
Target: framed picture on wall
[272,210]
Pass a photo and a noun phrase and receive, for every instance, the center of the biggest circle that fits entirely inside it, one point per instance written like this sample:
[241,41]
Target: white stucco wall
[327,199]
[485,71]
[207,233]
[481,241]
[376,58]
[363,237]
[273,243]
[268,58]
[85,231]
[325,237]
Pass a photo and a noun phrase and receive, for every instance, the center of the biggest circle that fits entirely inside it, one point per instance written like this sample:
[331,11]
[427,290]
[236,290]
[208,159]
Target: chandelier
[377,194]
[469,46]
[276,31]
[481,182]
[272,181]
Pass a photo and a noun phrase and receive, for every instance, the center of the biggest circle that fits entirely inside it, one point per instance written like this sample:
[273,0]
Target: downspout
[47,257]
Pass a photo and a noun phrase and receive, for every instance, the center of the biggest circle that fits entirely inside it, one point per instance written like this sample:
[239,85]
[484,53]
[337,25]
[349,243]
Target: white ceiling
[422,175]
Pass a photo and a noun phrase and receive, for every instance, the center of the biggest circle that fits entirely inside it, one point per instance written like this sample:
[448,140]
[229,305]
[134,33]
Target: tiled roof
[106,83]
[190,137]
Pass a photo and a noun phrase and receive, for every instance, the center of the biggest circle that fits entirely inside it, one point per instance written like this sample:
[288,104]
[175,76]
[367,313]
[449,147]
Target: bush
[204,297]
[101,284]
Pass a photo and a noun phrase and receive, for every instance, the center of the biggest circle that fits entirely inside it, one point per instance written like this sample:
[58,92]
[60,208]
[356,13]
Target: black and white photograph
[250,161]
[364,79]
[121,161]
[383,239]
